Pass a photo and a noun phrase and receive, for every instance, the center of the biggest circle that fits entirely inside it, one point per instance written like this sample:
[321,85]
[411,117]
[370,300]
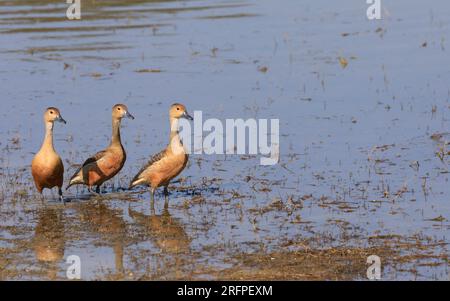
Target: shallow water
[350,137]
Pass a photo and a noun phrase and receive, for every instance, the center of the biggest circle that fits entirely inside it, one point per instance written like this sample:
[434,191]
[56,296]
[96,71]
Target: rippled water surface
[364,125]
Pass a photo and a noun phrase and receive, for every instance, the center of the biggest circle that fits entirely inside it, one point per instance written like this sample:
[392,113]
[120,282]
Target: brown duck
[107,163]
[167,164]
[47,167]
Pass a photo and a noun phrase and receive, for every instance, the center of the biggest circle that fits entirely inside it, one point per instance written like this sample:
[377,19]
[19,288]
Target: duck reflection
[49,239]
[111,227]
[166,232]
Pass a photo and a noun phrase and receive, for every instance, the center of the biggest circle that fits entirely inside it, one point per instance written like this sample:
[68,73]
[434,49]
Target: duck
[107,163]
[47,167]
[168,163]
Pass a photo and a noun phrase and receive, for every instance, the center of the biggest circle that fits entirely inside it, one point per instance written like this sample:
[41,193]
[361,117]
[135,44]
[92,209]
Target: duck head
[120,111]
[52,114]
[178,111]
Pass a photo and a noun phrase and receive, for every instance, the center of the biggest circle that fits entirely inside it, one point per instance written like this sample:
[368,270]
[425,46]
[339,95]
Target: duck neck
[175,144]
[48,140]
[115,139]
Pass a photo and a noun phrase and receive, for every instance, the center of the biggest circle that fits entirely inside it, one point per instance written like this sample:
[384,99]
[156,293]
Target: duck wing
[153,160]
[90,160]
[94,158]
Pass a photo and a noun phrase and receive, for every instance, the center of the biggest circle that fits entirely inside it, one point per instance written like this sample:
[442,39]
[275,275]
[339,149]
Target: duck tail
[68,186]
[135,183]
[71,184]
[74,181]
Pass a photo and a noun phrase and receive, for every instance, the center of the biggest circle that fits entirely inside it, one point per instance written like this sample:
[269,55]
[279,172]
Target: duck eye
[178,109]
[51,112]
[118,109]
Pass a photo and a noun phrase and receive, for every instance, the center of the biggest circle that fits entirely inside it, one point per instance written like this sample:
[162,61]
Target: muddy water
[364,153]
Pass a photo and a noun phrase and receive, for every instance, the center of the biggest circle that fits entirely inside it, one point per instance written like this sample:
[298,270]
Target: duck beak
[187,116]
[128,115]
[60,119]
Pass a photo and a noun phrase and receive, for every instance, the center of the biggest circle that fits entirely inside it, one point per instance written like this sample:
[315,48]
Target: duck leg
[153,211]
[61,198]
[91,190]
[166,197]
[97,190]
[42,198]
[152,198]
